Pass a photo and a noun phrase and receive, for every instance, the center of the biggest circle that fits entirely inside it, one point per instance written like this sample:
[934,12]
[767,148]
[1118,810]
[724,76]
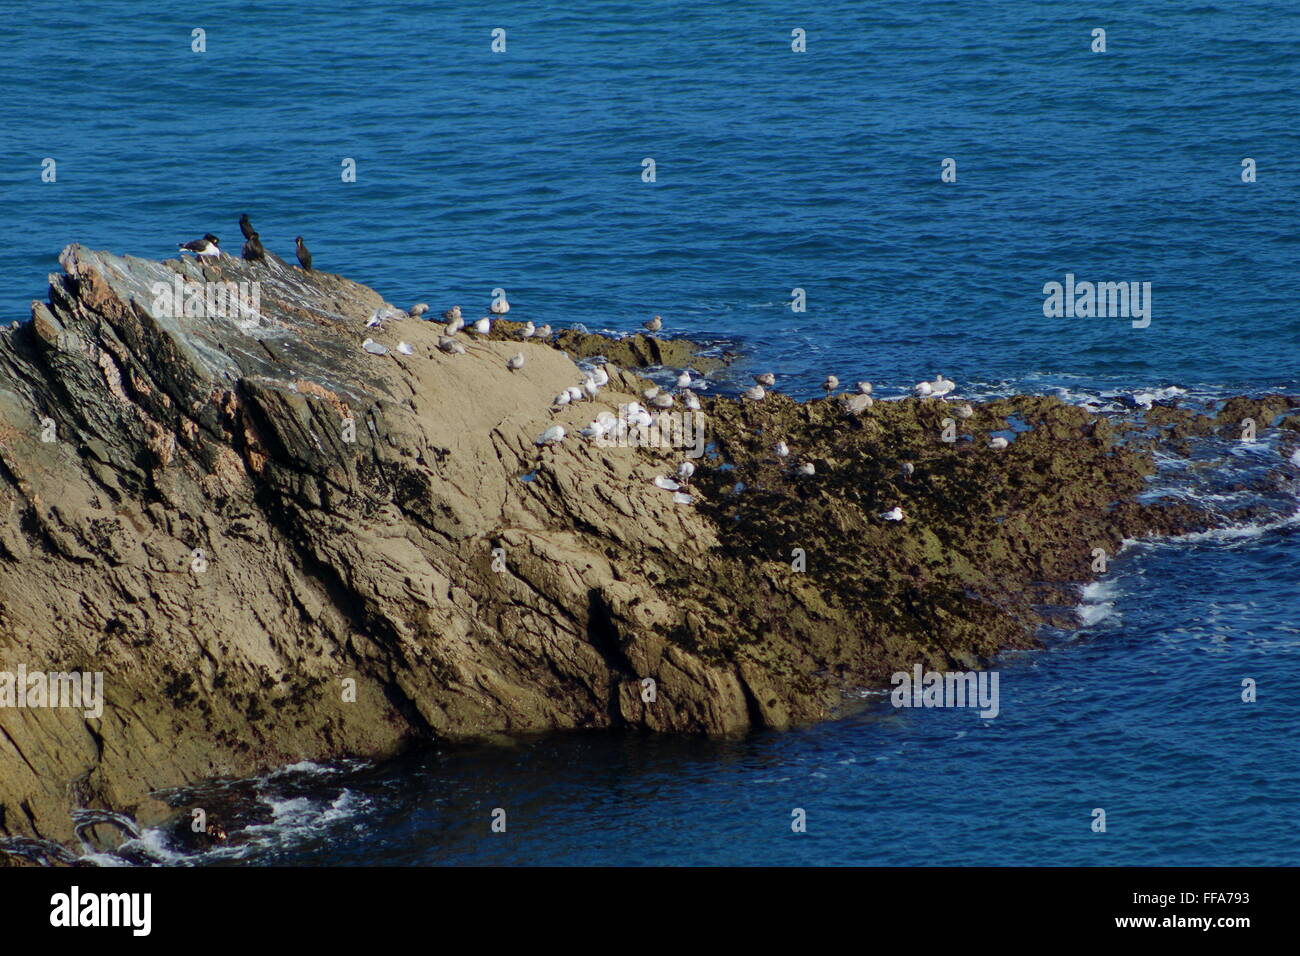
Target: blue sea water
[775,170]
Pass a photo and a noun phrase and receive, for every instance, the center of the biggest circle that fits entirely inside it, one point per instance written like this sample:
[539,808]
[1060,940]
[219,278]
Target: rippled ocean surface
[774,170]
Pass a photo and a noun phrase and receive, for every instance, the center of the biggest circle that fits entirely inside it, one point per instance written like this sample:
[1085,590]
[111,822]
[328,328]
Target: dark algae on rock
[285,534]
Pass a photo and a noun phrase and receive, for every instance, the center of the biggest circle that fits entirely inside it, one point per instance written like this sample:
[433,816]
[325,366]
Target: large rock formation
[239,519]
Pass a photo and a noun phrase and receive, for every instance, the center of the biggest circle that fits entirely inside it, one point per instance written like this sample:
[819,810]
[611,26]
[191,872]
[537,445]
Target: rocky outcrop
[277,545]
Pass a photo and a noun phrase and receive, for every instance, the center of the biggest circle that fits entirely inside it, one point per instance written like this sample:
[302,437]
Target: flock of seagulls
[631,415]
[856,403]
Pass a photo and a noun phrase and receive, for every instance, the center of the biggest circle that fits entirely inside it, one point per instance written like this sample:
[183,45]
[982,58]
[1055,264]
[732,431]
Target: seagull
[684,380]
[767,379]
[209,245]
[600,376]
[634,414]
[483,326]
[246,227]
[941,386]
[528,330]
[856,404]
[552,436]
[965,411]
[650,392]
[681,498]
[922,389]
[253,250]
[755,393]
[499,304]
[831,384]
[782,449]
[418,309]
[515,362]
[662,400]
[575,393]
[685,470]
[998,443]
[893,514]
[908,469]
[806,468]
[304,256]
[374,348]
[864,388]
[455,325]
[596,429]
[654,325]
[405,348]
[450,346]
[691,401]
[667,484]
[563,398]
[376,320]
[590,388]
[543,332]
[452,314]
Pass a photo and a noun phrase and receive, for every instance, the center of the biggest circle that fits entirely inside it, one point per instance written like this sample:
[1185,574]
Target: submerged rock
[275,546]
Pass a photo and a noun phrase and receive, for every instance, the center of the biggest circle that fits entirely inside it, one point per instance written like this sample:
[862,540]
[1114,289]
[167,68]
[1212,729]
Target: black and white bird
[304,255]
[246,227]
[253,248]
[207,246]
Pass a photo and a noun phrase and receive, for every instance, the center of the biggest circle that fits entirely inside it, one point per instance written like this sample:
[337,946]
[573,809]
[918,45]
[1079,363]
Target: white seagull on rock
[552,436]
[893,514]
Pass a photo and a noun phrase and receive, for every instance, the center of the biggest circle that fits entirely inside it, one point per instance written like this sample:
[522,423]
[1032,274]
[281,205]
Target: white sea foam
[1148,398]
[1098,602]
